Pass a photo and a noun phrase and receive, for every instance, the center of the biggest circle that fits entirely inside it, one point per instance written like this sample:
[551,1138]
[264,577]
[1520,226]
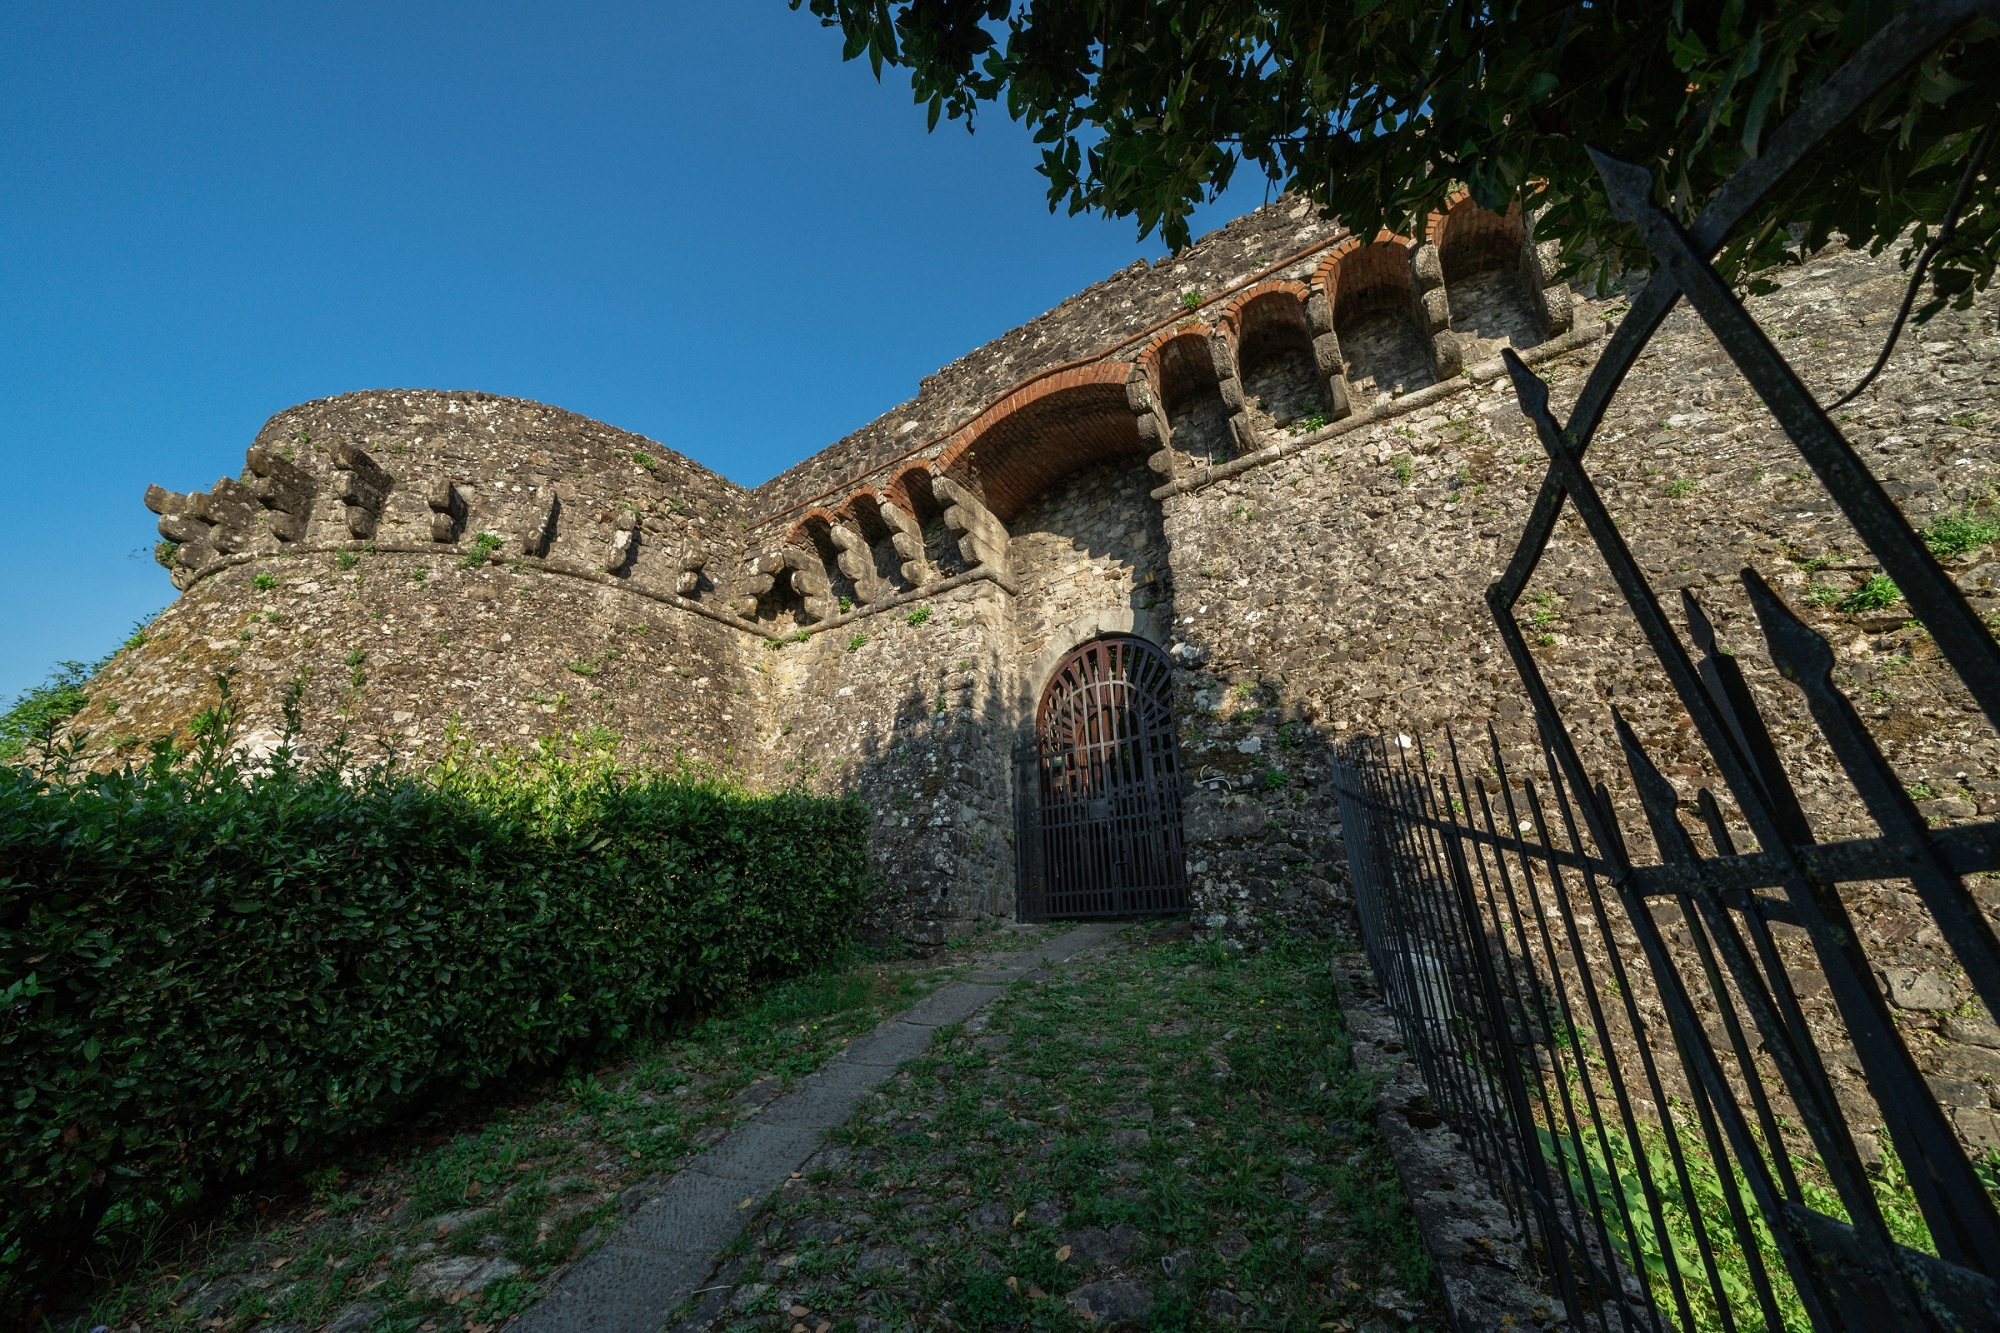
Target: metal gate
[1703,1174]
[1104,837]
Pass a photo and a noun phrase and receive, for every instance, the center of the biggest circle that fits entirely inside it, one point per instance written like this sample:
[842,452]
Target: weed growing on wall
[1959,531]
[483,546]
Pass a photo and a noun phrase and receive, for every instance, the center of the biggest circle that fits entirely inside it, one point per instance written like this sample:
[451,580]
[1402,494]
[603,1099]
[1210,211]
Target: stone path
[668,1247]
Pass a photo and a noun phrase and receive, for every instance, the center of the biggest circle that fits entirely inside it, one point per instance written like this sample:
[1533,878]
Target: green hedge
[203,970]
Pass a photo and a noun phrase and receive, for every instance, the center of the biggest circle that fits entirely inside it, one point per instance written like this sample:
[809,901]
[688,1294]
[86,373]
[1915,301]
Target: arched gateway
[1105,837]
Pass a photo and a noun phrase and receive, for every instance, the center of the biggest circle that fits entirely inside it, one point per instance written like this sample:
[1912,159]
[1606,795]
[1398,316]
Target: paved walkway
[667,1248]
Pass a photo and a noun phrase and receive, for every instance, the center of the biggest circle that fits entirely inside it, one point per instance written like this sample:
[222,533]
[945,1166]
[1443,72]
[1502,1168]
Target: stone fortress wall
[1287,457]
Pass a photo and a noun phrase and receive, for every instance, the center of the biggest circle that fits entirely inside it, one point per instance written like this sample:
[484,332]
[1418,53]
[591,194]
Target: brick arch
[1267,321]
[862,511]
[1178,366]
[1359,279]
[1471,239]
[911,491]
[813,532]
[1015,449]
[1254,306]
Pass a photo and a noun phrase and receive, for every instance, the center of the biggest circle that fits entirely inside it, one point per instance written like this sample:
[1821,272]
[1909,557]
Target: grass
[548,1166]
[917,616]
[1172,1113]
[1680,486]
[1403,468]
[1618,1180]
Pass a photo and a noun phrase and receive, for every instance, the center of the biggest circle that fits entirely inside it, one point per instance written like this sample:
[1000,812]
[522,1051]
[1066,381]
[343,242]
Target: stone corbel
[190,534]
[1150,418]
[809,581]
[981,536]
[1541,263]
[906,535]
[1433,312]
[1242,435]
[688,583]
[1327,360]
[447,510]
[757,578]
[624,541]
[364,489]
[857,561]
[284,489]
[538,521]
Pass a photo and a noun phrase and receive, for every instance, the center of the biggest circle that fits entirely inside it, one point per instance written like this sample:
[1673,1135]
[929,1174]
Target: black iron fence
[1621,1044]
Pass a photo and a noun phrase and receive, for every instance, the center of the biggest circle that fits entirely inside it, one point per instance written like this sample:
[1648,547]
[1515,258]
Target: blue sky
[689,220]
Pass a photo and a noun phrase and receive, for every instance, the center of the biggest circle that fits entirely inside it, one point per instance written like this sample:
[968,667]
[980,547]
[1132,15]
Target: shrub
[264,582]
[918,616]
[214,969]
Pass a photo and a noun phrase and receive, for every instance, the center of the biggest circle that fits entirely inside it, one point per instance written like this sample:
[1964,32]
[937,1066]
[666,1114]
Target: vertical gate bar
[1659,1101]
[1492,908]
[1516,1086]
[1421,901]
[1570,1116]
[1656,797]
[1569,1018]
[1471,1097]
[1611,847]
[1798,1056]
[1533,996]
[1559,887]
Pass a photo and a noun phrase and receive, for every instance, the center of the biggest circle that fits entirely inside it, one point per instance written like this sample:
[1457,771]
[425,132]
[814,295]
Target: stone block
[1972,1031]
[1319,314]
[1447,357]
[1956,1091]
[1980,1062]
[1920,989]
[1326,355]
[196,555]
[184,528]
[1978,1129]
[1433,311]
[163,501]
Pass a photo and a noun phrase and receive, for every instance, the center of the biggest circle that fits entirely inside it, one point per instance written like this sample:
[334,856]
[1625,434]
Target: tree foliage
[1379,109]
